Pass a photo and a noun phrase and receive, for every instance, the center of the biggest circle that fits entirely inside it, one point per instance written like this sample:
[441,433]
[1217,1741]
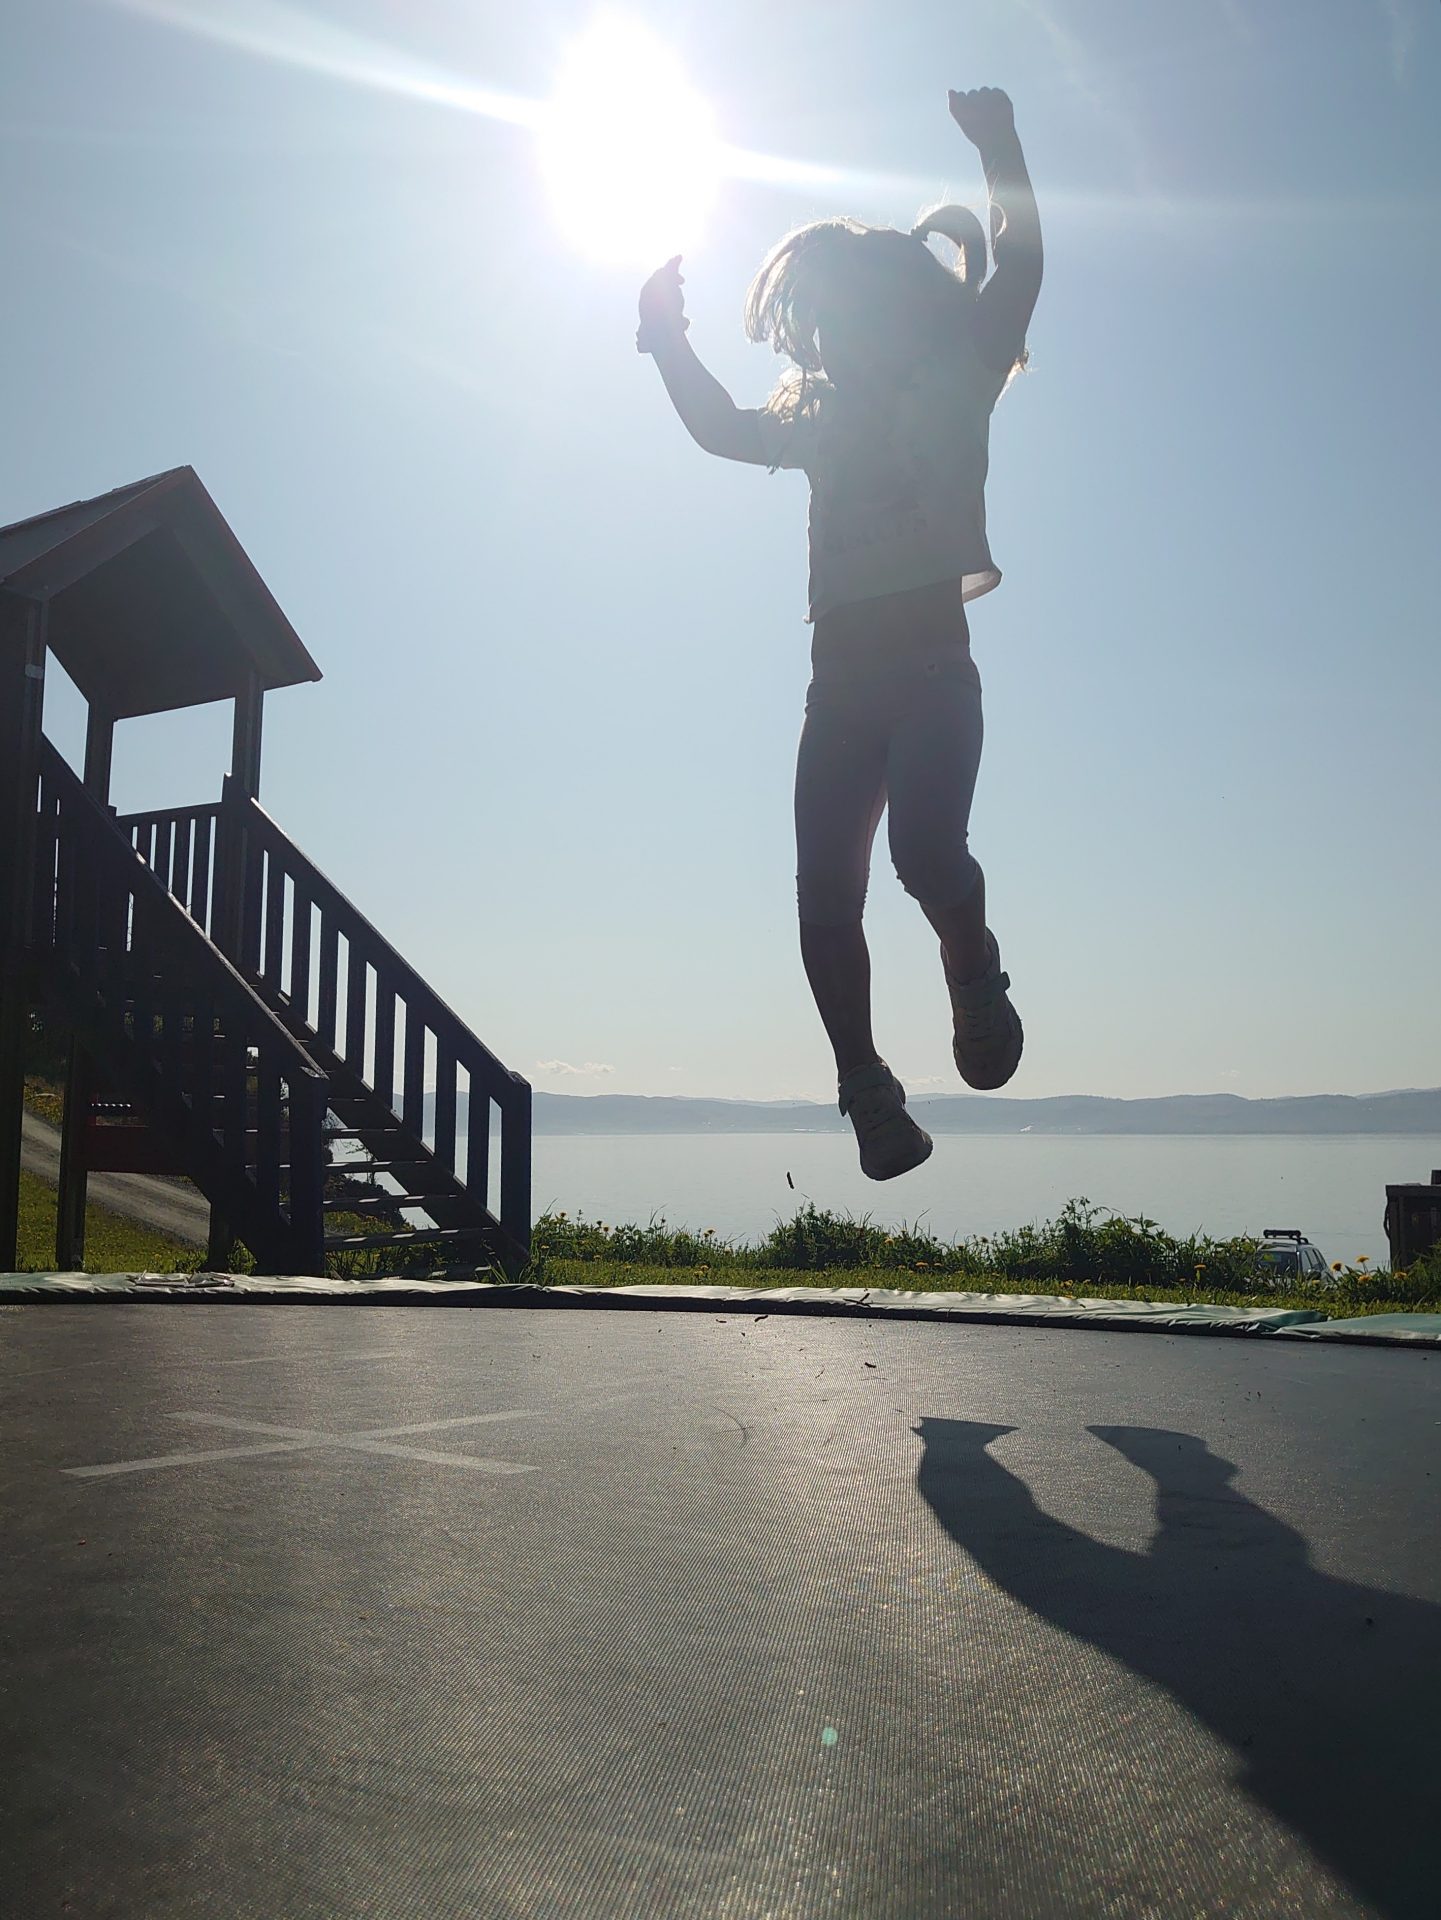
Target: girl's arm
[711,417]
[1008,298]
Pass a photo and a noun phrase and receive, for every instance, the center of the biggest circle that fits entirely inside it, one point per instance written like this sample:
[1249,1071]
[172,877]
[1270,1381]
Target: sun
[628,148]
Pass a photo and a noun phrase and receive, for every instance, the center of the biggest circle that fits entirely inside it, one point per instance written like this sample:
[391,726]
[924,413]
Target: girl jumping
[896,363]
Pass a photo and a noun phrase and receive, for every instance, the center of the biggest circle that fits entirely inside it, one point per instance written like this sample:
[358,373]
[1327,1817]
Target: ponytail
[965,232]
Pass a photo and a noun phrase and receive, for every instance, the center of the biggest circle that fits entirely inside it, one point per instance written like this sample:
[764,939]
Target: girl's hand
[662,306]
[984,115]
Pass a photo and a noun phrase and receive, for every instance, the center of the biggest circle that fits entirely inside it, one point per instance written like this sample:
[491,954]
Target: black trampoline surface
[406,1613]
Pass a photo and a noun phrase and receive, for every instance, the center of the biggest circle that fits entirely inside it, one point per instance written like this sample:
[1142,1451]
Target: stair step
[356,1117]
[372,1203]
[362,1169]
[414,1192]
[383,1129]
[357,1242]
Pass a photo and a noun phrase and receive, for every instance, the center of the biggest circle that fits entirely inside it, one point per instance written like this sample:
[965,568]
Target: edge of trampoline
[1399,1329]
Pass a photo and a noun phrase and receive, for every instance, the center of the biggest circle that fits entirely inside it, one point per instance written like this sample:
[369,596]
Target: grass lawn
[598,1273]
[112,1243]
[45,1099]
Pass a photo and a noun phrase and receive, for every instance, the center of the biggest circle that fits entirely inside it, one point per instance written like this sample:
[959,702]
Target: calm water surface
[1332,1188]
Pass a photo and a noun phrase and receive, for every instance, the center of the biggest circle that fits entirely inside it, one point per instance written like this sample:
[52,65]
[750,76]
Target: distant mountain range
[1414,1110]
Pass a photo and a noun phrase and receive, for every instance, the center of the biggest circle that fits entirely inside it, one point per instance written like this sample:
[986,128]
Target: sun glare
[628,148]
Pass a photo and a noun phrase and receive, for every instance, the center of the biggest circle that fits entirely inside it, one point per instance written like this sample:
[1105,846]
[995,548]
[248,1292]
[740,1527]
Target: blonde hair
[783,302]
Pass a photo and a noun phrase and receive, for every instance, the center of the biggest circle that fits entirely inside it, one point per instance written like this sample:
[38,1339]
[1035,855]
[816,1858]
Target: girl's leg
[839,797]
[935,755]
[840,794]
[931,775]
[838,966]
[963,933]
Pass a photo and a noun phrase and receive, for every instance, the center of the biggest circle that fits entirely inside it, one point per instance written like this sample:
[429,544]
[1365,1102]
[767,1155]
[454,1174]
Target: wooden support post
[243,780]
[70,1202]
[22,690]
[228,891]
[217,1248]
[245,743]
[80,1071]
[99,740]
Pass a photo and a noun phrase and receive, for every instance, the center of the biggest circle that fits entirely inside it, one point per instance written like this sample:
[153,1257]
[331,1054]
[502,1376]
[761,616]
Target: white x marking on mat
[299,1439]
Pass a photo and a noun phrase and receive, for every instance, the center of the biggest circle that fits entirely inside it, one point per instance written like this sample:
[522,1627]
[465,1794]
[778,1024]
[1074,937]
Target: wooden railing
[341,986]
[178,844]
[200,1048]
[343,982]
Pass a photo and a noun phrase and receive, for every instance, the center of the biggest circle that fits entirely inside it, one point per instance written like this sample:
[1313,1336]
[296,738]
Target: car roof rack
[1283,1233]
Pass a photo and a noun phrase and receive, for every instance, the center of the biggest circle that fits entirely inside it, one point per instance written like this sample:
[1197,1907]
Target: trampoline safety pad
[728,1613]
[1004,1308]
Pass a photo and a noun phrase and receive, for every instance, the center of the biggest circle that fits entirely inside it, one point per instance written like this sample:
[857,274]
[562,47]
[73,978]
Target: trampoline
[728,1613]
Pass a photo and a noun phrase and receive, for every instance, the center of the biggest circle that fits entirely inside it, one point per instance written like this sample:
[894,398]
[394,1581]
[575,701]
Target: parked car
[1289,1255]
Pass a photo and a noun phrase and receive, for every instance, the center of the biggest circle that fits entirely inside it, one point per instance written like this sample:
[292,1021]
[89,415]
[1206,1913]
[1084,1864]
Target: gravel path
[173,1207]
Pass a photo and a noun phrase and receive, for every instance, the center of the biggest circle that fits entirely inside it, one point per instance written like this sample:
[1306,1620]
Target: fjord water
[1331,1187]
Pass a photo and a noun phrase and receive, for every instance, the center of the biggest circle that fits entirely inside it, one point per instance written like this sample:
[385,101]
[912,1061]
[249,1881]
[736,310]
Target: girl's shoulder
[790,423]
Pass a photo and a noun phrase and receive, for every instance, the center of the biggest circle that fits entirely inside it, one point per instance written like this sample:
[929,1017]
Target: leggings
[892,716]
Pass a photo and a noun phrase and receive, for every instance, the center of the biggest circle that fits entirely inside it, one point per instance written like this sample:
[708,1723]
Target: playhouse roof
[153,602]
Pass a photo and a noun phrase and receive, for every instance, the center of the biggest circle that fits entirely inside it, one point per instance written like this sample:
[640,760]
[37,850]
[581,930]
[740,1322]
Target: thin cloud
[566,1066]
[1238,19]
[1084,76]
[1070,53]
[253,324]
[1400,37]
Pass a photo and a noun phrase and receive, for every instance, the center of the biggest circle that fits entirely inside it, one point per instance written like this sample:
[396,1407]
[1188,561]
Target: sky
[339,259]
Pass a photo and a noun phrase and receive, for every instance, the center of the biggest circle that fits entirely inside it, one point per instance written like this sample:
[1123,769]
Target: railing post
[308,1100]
[228,891]
[515,1170]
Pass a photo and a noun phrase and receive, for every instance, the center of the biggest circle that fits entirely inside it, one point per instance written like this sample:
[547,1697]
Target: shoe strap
[864,1080]
[979,993]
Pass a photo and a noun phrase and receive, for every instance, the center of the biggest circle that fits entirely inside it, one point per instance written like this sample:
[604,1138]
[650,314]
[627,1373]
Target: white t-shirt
[897,485]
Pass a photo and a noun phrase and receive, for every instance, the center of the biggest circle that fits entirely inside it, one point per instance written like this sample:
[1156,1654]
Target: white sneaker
[874,1101]
[988,1032]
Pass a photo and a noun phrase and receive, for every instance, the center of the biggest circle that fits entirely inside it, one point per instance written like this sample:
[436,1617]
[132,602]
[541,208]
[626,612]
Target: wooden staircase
[270,1043]
[235,1018]
[373,1029]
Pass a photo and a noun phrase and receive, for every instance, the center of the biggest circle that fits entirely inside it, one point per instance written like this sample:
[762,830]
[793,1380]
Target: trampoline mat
[511,1614]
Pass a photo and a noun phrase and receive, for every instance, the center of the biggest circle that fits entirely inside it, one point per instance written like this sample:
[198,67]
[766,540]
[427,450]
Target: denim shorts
[893,719]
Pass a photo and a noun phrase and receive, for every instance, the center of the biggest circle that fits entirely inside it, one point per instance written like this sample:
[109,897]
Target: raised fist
[983,115]
[662,305]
